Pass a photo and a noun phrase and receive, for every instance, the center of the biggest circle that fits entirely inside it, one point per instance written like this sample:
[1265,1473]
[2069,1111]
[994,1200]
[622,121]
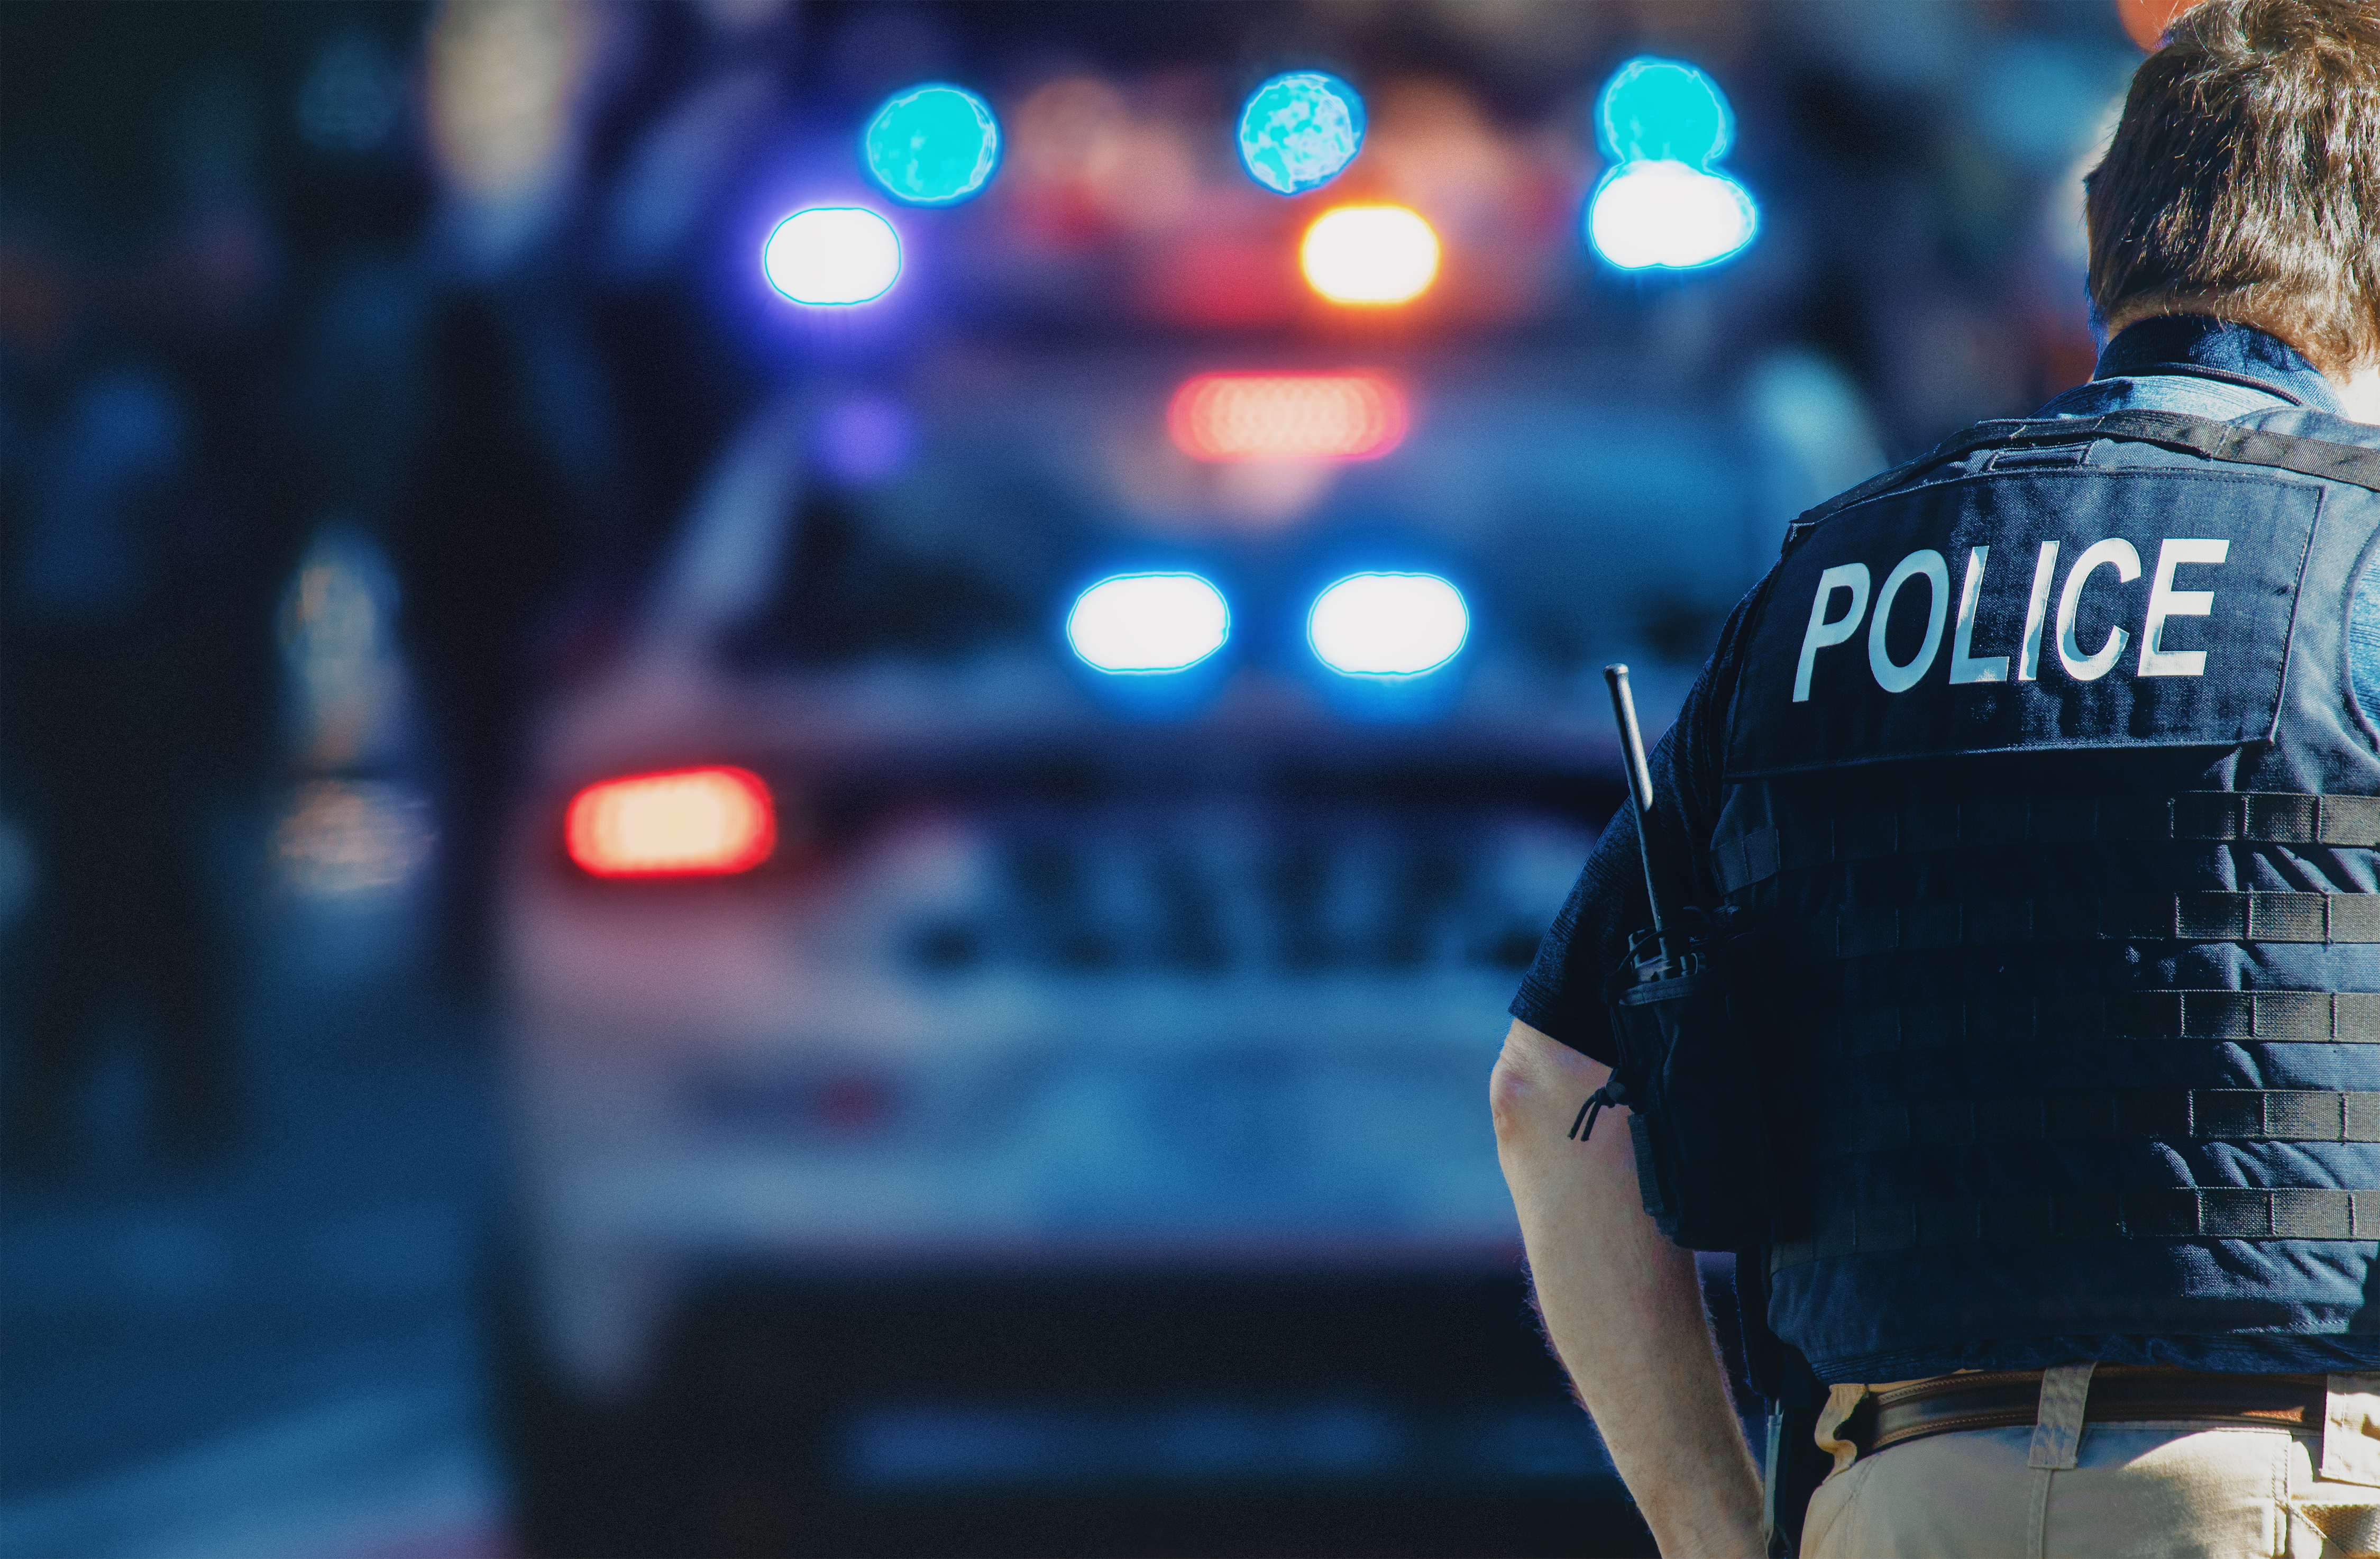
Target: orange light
[1370,255]
[2147,20]
[689,822]
[1328,416]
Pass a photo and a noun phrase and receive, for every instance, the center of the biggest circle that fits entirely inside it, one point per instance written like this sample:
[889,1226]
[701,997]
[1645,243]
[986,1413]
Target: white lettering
[1852,577]
[1929,564]
[2122,556]
[2166,602]
[1966,667]
[2028,654]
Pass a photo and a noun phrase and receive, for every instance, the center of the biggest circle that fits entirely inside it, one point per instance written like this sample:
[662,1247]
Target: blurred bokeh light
[1668,214]
[1299,132]
[1376,255]
[1141,622]
[342,836]
[506,82]
[932,145]
[1241,416]
[1663,205]
[1664,110]
[691,822]
[832,256]
[864,439]
[1389,625]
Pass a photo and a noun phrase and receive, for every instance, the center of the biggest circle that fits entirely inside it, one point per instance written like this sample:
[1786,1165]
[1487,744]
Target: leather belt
[2119,1393]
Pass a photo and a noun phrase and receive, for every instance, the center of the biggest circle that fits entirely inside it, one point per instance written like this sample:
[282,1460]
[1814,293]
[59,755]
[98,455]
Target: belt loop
[2351,1429]
[2057,1427]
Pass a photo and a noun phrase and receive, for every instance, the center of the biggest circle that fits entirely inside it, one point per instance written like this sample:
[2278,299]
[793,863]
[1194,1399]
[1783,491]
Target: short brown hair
[2245,177]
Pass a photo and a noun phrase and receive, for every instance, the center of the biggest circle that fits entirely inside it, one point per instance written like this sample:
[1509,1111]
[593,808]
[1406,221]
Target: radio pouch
[1686,1074]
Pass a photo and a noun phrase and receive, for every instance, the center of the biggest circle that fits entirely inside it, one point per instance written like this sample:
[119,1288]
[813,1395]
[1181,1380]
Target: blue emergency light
[1299,132]
[932,145]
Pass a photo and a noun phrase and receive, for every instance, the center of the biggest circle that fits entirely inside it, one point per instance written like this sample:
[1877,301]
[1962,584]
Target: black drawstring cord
[1583,1127]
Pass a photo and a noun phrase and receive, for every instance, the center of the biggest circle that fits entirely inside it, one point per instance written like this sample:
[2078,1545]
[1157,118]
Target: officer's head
[2244,178]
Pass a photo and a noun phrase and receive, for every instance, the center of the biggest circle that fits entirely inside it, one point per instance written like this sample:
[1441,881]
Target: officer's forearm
[1623,1306]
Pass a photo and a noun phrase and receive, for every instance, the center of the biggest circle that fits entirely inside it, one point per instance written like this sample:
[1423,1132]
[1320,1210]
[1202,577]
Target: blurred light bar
[932,145]
[686,824]
[1299,132]
[832,255]
[1388,625]
[1315,416]
[1369,254]
[1140,623]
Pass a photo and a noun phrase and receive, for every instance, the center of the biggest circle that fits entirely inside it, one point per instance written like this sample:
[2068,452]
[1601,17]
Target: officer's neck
[2360,391]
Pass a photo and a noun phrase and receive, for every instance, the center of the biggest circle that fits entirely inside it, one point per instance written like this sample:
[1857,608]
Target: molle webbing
[2200,1212]
[2242,817]
[2072,1017]
[2167,1115]
[2191,917]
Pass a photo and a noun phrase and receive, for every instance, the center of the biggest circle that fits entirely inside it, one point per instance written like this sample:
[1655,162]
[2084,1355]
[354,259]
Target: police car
[972,1097]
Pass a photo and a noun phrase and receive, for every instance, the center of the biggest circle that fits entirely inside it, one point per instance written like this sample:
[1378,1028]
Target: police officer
[2045,771]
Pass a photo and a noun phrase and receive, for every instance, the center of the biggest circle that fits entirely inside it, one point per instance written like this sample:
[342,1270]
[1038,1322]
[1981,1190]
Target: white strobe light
[1668,214]
[832,255]
[1388,625]
[1148,623]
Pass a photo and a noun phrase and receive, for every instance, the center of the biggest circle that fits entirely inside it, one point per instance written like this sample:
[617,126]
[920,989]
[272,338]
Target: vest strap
[2187,1213]
[2191,917]
[2262,817]
[2170,1115]
[2228,442]
[2079,1017]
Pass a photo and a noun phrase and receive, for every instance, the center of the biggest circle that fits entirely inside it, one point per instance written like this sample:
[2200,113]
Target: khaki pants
[2071,1489]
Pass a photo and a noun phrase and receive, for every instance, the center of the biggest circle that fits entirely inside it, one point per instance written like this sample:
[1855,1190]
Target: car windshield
[852,590]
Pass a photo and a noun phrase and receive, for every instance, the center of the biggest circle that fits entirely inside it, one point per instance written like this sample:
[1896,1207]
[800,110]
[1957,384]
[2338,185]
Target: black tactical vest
[2047,787]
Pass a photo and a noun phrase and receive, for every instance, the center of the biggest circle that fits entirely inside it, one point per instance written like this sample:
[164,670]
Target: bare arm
[1622,1304]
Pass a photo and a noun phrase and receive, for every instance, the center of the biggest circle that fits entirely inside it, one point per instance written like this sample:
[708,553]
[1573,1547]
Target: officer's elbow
[1510,1092]
[1531,1079]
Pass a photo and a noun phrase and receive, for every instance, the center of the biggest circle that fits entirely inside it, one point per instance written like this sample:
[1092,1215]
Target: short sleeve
[1561,994]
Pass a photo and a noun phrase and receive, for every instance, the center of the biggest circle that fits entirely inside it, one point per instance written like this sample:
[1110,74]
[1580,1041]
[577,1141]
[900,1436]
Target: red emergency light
[688,822]
[1314,415]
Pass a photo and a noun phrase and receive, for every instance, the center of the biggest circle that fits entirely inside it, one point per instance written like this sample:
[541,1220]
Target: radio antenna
[1639,793]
